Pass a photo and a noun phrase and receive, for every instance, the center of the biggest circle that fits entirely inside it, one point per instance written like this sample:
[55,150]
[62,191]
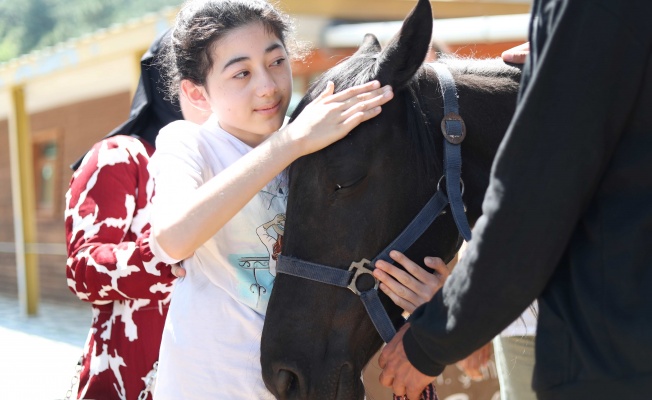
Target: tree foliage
[27,25]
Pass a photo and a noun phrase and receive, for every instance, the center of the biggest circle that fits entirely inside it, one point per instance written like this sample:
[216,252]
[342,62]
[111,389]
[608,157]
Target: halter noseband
[356,278]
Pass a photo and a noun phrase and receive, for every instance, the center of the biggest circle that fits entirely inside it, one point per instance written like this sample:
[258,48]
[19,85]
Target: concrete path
[38,355]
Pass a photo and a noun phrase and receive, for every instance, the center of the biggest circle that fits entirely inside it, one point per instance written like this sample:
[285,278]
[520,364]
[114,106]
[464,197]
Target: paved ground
[38,354]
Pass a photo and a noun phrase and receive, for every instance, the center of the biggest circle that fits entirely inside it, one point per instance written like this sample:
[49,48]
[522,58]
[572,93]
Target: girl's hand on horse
[331,116]
[410,289]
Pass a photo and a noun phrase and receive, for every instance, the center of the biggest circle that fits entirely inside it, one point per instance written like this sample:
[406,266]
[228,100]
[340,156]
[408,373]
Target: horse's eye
[351,183]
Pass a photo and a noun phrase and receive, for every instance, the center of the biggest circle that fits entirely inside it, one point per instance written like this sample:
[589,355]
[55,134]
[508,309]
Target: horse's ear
[370,45]
[405,53]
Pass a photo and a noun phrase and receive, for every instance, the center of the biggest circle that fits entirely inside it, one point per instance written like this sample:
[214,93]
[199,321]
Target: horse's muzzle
[289,384]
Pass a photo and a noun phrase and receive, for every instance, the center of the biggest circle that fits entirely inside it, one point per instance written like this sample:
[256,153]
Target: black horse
[350,200]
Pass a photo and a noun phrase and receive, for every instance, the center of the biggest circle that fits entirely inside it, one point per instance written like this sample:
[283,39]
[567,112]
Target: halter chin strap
[358,278]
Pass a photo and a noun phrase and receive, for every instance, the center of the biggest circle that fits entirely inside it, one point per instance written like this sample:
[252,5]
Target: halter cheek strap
[360,272]
[454,131]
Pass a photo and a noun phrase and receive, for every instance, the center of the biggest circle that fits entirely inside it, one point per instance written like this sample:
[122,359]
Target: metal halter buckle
[453,139]
[360,268]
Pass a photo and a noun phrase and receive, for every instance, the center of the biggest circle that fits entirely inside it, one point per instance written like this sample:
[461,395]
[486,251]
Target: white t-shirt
[211,340]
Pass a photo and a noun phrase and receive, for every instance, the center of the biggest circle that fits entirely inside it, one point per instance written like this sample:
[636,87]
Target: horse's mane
[489,67]
[482,74]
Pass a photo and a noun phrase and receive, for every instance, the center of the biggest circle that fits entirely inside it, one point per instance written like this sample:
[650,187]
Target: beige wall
[366,10]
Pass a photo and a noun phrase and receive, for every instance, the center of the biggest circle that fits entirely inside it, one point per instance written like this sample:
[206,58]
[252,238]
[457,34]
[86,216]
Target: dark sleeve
[588,60]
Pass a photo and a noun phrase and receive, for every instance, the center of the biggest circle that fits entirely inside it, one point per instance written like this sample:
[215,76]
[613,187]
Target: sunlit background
[68,70]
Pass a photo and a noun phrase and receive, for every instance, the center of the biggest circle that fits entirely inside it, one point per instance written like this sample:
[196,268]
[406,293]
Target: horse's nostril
[346,388]
[286,383]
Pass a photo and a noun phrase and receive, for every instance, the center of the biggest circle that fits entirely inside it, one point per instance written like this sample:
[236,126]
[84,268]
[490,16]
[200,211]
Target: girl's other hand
[474,364]
[178,270]
[518,54]
[410,289]
[331,116]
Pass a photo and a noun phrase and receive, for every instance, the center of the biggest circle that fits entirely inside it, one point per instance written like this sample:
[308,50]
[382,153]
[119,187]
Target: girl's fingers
[346,94]
[178,271]
[356,119]
[424,284]
[398,300]
[356,105]
[359,117]
[330,88]
[518,54]
[401,276]
[410,266]
[360,98]
[366,96]
[392,283]
[371,109]
[410,288]
[438,265]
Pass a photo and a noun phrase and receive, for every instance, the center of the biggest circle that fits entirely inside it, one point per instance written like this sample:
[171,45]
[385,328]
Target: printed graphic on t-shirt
[275,193]
[256,272]
[271,235]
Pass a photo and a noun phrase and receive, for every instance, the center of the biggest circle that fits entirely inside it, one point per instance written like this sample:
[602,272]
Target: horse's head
[350,200]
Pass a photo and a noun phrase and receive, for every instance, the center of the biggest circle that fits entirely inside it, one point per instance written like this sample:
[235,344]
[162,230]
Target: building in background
[59,101]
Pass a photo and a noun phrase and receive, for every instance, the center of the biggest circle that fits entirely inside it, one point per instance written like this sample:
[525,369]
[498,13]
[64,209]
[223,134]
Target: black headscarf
[150,110]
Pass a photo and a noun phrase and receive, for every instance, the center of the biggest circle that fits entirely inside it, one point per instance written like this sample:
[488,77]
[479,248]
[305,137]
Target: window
[47,172]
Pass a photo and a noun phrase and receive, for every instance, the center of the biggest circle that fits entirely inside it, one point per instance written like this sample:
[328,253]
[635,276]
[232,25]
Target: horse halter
[358,278]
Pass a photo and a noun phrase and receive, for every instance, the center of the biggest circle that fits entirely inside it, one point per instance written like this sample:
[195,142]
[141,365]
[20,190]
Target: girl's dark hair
[200,23]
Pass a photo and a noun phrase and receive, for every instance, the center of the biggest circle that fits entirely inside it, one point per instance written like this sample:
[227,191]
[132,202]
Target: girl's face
[250,85]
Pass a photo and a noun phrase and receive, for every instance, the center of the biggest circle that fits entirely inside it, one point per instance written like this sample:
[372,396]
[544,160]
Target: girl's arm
[181,229]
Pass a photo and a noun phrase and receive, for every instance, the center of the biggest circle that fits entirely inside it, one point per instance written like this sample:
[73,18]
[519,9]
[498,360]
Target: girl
[218,183]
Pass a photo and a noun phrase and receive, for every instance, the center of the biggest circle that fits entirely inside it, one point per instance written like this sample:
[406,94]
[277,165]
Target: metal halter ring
[444,177]
[361,269]
[451,138]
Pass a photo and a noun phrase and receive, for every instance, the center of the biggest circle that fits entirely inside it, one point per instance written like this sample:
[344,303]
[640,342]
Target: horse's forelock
[351,71]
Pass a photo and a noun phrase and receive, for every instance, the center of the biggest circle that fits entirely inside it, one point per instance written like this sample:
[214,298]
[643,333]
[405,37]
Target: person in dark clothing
[567,218]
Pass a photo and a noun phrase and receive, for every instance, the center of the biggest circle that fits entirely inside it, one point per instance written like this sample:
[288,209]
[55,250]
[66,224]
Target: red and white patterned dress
[111,266]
